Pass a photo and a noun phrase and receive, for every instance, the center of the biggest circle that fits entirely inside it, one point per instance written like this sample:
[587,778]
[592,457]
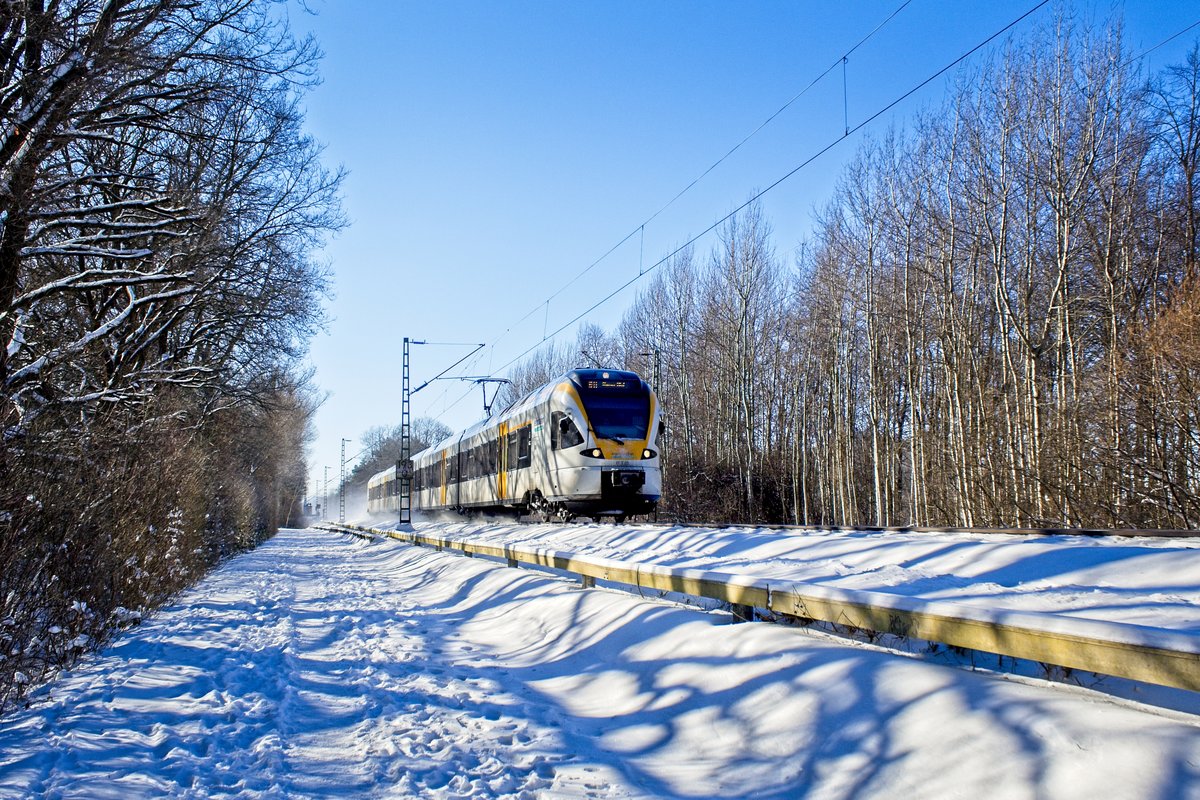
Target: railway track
[1151,533]
[1127,532]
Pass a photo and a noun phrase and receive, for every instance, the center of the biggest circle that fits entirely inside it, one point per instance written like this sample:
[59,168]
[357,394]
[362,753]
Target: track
[1150,533]
[1123,532]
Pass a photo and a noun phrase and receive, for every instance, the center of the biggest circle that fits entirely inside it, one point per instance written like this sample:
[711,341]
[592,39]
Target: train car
[582,445]
[383,492]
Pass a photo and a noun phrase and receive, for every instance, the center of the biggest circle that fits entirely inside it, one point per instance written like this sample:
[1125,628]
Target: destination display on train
[608,384]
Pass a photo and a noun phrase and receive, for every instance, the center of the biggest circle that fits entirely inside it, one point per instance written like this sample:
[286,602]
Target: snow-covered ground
[1144,581]
[323,665]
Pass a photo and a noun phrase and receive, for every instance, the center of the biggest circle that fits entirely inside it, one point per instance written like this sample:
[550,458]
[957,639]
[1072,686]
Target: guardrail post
[742,613]
[587,582]
[512,562]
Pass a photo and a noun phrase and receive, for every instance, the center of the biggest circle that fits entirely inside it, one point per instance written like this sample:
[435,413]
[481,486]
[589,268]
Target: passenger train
[582,445]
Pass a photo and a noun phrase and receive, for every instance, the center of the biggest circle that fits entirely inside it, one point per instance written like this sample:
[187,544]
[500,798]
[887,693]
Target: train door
[514,477]
[459,477]
[525,455]
[540,464]
[565,439]
[442,478]
[502,463]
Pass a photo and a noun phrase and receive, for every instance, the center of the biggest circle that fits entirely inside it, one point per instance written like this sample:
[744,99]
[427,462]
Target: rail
[1141,653]
[1151,533]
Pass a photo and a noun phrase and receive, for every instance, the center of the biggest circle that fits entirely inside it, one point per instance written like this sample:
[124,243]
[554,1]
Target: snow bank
[1154,583]
[322,666]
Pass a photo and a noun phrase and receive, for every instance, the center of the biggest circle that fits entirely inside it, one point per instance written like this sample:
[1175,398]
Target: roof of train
[579,377]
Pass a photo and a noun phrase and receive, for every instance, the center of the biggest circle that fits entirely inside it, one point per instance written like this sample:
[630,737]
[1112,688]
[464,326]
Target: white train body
[584,444]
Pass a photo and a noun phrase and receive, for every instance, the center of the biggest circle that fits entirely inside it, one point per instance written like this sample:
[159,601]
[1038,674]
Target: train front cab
[602,453]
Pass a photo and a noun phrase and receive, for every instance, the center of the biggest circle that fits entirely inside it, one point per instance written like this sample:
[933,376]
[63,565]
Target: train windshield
[617,409]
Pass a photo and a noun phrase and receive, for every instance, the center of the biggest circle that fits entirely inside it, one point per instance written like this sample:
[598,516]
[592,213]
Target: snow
[1141,581]
[323,665]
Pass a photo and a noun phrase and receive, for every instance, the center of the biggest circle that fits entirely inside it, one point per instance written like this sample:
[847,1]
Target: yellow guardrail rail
[1153,655]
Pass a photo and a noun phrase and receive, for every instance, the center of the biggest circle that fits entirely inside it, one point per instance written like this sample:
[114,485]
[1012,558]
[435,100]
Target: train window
[563,431]
[512,450]
[523,446]
[617,409]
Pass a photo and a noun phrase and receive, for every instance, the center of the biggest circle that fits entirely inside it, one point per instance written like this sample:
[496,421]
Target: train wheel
[539,508]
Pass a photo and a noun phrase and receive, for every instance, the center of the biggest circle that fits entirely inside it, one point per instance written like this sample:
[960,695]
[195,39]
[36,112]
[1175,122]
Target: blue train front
[584,444]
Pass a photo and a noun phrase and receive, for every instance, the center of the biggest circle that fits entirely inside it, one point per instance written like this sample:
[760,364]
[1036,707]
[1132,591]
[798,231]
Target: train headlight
[648,453]
[595,452]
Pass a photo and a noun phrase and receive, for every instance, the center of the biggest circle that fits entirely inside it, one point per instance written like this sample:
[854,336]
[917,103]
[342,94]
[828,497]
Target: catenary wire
[641,227]
[1164,42]
[755,196]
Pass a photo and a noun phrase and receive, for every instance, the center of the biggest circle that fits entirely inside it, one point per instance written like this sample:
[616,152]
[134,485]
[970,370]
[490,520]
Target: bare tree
[158,207]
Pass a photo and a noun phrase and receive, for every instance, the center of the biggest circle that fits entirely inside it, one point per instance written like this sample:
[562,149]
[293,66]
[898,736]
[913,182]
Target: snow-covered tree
[159,204]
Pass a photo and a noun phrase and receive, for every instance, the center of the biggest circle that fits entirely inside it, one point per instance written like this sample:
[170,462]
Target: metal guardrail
[1151,533]
[1141,653]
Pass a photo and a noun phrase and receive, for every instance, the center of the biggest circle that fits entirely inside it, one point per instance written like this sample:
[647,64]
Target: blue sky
[496,150]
